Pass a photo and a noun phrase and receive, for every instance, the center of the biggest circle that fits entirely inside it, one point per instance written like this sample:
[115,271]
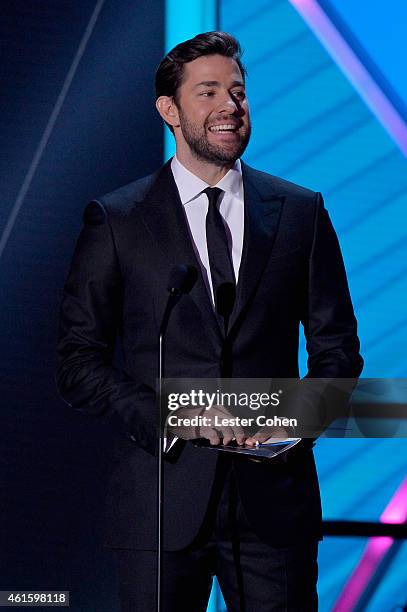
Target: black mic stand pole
[182,280]
[160,471]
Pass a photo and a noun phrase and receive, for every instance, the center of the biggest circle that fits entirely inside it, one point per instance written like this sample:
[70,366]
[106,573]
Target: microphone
[182,279]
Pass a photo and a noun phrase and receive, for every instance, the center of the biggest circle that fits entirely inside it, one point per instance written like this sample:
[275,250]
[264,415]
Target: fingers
[258,438]
[239,434]
[252,441]
[216,424]
[227,434]
[220,434]
[210,434]
[228,426]
[277,434]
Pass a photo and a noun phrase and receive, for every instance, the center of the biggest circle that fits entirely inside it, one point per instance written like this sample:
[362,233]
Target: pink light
[396,511]
[357,74]
[376,549]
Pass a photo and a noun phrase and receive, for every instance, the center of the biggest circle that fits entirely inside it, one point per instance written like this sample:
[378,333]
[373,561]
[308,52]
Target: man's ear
[168,110]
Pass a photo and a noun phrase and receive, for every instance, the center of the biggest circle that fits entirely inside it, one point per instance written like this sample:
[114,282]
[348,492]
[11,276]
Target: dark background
[54,459]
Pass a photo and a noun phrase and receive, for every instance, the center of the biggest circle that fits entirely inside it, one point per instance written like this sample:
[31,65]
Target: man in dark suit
[256,526]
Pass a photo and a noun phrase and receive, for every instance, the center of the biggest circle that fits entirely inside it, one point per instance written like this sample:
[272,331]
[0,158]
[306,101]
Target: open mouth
[224,128]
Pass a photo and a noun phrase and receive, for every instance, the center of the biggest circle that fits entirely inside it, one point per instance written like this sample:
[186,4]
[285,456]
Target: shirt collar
[191,186]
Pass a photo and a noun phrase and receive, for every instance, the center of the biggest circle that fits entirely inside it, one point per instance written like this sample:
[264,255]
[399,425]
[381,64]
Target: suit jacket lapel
[263,206]
[163,213]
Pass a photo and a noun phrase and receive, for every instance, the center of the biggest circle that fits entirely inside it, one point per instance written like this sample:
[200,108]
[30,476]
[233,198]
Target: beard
[197,139]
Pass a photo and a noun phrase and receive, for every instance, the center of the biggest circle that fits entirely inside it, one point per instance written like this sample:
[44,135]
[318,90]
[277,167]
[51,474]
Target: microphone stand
[182,279]
[160,467]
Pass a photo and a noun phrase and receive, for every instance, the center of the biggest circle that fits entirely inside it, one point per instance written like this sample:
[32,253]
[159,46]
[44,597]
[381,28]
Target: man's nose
[229,105]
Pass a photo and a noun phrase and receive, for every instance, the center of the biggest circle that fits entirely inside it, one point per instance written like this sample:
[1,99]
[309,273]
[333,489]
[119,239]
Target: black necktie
[220,261]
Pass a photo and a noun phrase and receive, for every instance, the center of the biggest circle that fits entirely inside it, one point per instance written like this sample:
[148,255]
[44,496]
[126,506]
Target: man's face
[213,110]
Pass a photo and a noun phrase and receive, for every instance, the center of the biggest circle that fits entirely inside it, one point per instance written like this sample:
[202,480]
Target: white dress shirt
[195,203]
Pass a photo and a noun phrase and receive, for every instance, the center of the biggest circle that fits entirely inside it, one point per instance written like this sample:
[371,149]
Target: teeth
[222,128]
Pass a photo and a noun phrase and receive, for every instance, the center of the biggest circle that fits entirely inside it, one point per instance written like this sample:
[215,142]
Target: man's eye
[239,94]
[207,93]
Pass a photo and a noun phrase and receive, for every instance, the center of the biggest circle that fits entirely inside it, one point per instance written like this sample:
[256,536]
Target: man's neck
[206,171]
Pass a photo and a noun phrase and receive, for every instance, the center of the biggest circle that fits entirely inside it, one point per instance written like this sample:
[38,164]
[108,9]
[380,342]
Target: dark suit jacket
[291,272]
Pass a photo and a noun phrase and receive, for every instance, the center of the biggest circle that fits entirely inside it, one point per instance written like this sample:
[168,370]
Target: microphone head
[182,279]
[225,299]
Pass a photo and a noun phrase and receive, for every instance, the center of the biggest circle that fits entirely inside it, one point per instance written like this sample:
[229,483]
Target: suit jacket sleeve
[329,322]
[330,327]
[90,320]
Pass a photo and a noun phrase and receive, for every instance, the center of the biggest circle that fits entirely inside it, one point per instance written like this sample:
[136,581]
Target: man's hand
[216,424]
[279,434]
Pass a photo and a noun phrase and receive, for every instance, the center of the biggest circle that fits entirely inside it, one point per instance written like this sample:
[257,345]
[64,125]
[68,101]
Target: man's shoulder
[127,196]
[120,202]
[270,185]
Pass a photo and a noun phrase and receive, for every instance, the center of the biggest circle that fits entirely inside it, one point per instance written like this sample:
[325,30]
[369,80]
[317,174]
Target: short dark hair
[170,72]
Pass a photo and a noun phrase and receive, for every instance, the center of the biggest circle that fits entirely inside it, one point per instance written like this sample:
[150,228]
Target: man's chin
[226,158]
[221,155]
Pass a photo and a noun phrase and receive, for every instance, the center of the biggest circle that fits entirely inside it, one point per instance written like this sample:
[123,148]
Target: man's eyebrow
[217,84]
